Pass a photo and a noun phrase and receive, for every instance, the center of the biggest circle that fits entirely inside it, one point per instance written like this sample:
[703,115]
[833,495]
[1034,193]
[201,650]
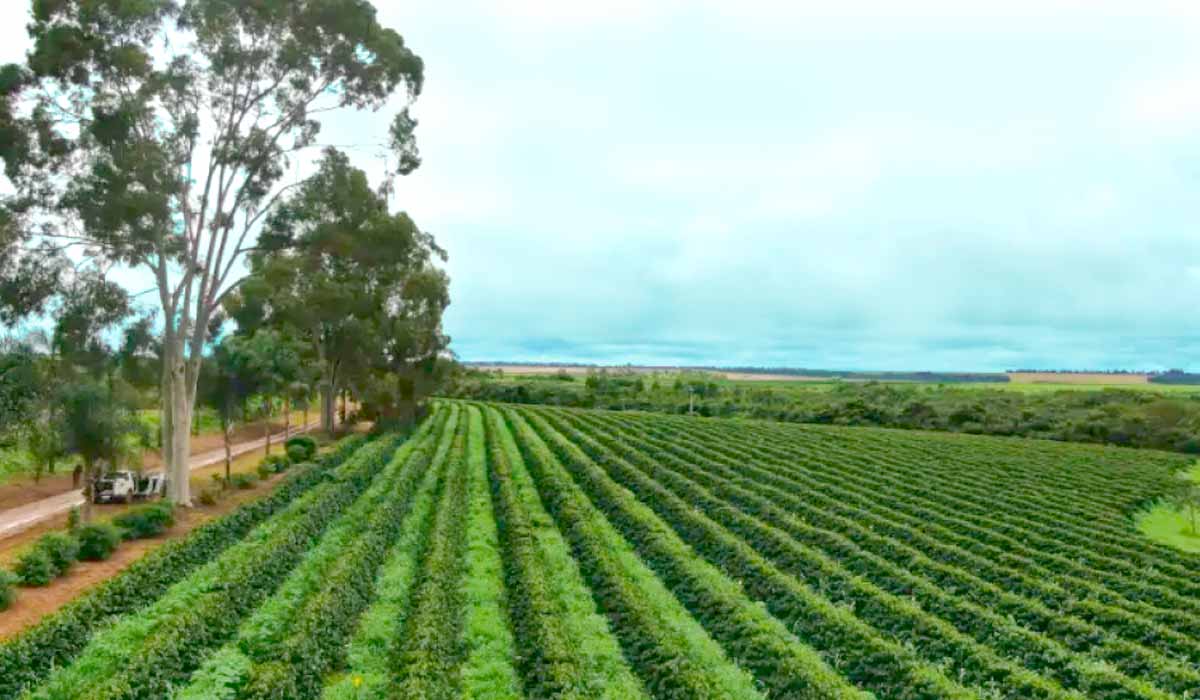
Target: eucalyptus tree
[156,134]
[272,360]
[333,267]
[95,424]
[228,379]
[413,338]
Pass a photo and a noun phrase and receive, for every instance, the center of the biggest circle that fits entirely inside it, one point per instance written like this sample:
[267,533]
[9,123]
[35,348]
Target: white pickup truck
[124,486]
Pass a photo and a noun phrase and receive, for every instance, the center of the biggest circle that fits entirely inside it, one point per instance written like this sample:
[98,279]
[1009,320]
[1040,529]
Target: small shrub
[297,453]
[35,568]
[61,548]
[73,519]
[147,521]
[7,594]
[98,542]
[274,464]
[210,495]
[305,442]
[244,481]
[263,470]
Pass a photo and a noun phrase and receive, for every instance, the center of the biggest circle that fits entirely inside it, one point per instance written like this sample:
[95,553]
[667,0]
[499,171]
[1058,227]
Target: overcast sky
[964,185]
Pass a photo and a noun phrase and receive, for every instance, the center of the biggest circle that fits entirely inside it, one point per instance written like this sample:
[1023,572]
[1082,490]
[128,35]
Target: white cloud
[1162,105]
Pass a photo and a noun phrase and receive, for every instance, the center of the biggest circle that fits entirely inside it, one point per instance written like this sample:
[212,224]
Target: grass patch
[1166,523]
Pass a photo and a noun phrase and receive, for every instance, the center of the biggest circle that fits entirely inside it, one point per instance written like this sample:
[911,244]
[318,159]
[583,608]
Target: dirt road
[15,520]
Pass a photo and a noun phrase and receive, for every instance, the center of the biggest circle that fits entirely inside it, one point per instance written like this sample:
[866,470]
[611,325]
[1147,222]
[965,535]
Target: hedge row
[861,544]
[784,665]
[567,650]
[850,646]
[366,672]
[1056,583]
[145,655]
[670,649]
[28,658]
[936,627]
[224,673]
[426,653]
[1007,509]
[489,671]
[296,666]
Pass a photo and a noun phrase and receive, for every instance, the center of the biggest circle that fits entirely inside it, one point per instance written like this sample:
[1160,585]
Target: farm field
[507,552]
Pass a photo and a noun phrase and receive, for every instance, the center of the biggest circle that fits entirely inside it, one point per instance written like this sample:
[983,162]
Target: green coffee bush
[146,521]
[275,464]
[297,453]
[35,568]
[98,542]
[244,481]
[61,548]
[304,442]
[7,593]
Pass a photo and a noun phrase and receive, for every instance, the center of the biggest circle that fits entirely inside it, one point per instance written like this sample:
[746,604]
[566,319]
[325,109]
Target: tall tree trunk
[406,406]
[287,417]
[227,428]
[267,422]
[77,476]
[328,401]
[344,392]
[85,513]
[179,427]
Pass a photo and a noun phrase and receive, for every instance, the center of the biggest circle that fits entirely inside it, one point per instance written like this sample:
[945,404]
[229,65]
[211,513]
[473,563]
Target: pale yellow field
[1076,378]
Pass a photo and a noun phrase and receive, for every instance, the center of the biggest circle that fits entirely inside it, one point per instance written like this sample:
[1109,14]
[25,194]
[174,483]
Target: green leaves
[26,660]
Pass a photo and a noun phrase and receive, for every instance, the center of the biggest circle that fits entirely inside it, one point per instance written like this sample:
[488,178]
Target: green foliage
[489,670]
[244,481]
[639,556]
[306,443]
[8,594]
[300,635]
[97,542]
[275,464]
[62,548]
[146,521]
[1124,417]
[551,608]
[297,453]
[95,423]
[205,609]
[27,659]
[358,283]
[35,567]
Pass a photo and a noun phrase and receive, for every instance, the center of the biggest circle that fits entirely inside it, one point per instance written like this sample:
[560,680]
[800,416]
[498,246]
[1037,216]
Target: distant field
[1077,378]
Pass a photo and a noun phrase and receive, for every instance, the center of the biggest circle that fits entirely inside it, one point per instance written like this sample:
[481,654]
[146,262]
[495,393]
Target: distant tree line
[1122,417]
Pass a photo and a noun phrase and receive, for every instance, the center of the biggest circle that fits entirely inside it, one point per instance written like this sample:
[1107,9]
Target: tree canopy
[156,134]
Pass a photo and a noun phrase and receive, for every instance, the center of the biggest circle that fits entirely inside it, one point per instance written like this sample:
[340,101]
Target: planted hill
[512,551]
